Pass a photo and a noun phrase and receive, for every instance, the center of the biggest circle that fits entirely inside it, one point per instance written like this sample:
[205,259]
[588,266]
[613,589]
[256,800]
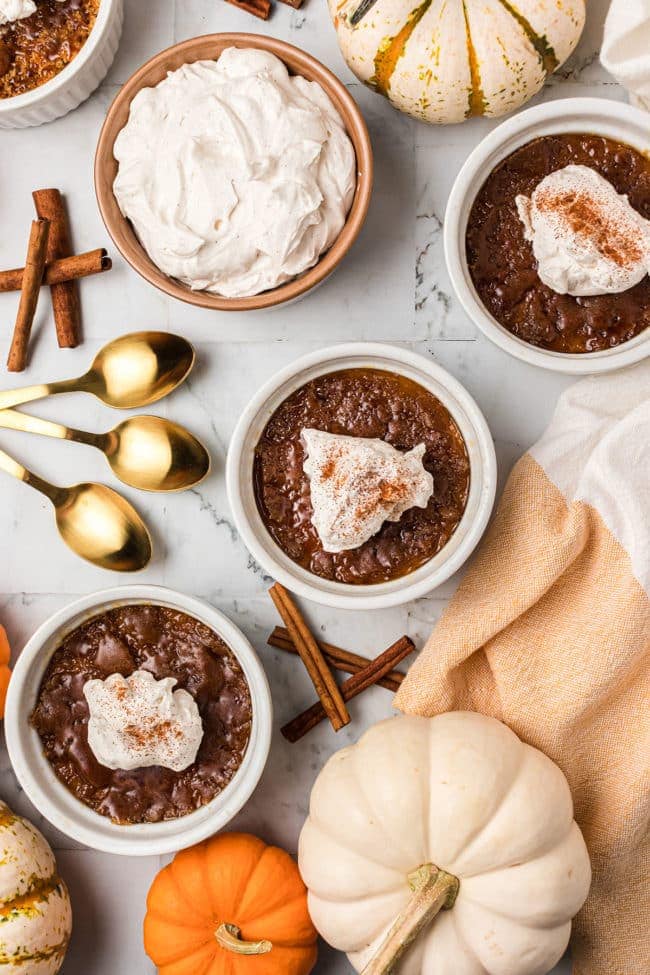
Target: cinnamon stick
[258,8]
[343,660]
[352,687]
[65,296]
[65,269]
[34,265]
[310,654]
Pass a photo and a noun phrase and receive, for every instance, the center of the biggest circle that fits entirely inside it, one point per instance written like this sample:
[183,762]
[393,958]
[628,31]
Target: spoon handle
[14,397]
[11,466]
[15,420]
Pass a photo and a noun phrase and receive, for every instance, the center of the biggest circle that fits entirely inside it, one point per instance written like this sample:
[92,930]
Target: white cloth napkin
[626,48]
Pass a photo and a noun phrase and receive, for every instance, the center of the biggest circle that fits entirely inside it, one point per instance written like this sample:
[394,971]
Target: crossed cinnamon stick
[50,261]
[317,657]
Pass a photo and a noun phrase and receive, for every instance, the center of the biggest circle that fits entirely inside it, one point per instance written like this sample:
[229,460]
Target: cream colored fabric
[626,48]
[550,632]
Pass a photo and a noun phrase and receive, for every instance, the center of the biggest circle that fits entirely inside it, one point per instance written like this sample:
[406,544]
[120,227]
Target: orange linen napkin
[550,632]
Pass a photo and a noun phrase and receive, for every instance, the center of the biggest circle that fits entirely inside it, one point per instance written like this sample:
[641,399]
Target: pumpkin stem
[434,890]
[229,937]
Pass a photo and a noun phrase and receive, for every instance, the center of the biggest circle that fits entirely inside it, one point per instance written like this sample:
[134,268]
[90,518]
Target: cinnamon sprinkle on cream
[358,483]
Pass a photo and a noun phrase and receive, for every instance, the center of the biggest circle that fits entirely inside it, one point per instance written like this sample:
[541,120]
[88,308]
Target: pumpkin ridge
[269,916]
[477,104]
[467,945]
[179,887]
[186,958]
[545,850]
[394,842]
[169,919]
[324,828]
[476,835]
[248,881]
[44,955]
[544,50]
[169,925]
[26,903]
[393,48]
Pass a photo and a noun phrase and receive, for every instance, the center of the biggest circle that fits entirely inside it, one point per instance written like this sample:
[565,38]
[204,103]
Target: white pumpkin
[446,60]
[35,912]
[493,816]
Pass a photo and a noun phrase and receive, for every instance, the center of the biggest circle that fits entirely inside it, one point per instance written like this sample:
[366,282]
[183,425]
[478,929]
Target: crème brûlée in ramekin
[39,38]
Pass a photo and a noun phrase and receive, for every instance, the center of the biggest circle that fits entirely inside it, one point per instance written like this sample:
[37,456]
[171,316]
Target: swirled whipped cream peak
[138,721]
[358,483]
[586,237]
[235,174]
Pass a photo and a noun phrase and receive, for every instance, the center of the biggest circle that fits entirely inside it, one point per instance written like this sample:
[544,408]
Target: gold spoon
[94,521]
[132,371]
[146,452]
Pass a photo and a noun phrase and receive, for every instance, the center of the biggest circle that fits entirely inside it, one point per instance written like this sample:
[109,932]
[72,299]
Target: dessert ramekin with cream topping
[139,720]
[259,160]
[361,476]
[53,55]
[548,253]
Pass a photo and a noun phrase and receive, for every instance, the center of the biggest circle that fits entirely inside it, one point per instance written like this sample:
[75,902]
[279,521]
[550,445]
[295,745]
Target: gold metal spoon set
[145,452]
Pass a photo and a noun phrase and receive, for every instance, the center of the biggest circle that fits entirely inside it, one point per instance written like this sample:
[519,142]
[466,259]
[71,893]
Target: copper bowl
[210,47]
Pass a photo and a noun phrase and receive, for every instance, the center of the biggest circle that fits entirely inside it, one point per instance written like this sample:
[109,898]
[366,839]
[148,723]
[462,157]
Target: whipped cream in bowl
[271,133]
[235,175]
[586,237]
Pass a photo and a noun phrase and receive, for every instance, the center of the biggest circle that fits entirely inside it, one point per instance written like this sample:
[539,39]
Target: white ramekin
[51,797]
[472,425]
[613,120]
[78,80]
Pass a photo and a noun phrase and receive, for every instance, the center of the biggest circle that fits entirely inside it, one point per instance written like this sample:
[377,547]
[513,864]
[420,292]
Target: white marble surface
[392,287]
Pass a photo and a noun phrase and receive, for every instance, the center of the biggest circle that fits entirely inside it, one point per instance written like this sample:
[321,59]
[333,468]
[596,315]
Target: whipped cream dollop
[235,175]
[11,10]
[586,237]
[358,483]
[138,721]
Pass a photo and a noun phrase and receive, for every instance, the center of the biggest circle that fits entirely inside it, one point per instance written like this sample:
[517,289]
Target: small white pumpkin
[452,812]
[446,60]
[35,912]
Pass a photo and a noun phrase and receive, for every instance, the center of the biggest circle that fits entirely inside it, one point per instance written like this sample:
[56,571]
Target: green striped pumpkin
[35,912]
[447,60]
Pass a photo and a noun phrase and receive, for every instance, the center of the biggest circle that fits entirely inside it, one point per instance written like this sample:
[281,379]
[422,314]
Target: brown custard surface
[362,403]
[167,644]
[35,49]
[503,267]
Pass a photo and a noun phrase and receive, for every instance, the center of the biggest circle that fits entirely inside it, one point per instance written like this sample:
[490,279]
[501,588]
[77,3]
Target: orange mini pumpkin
[230,906]
[5,672]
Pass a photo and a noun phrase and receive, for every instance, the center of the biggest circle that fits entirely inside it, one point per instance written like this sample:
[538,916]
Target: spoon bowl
[102,527]
[147,452]
[97,523]
[139,369]
[131,371]
[153,454]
